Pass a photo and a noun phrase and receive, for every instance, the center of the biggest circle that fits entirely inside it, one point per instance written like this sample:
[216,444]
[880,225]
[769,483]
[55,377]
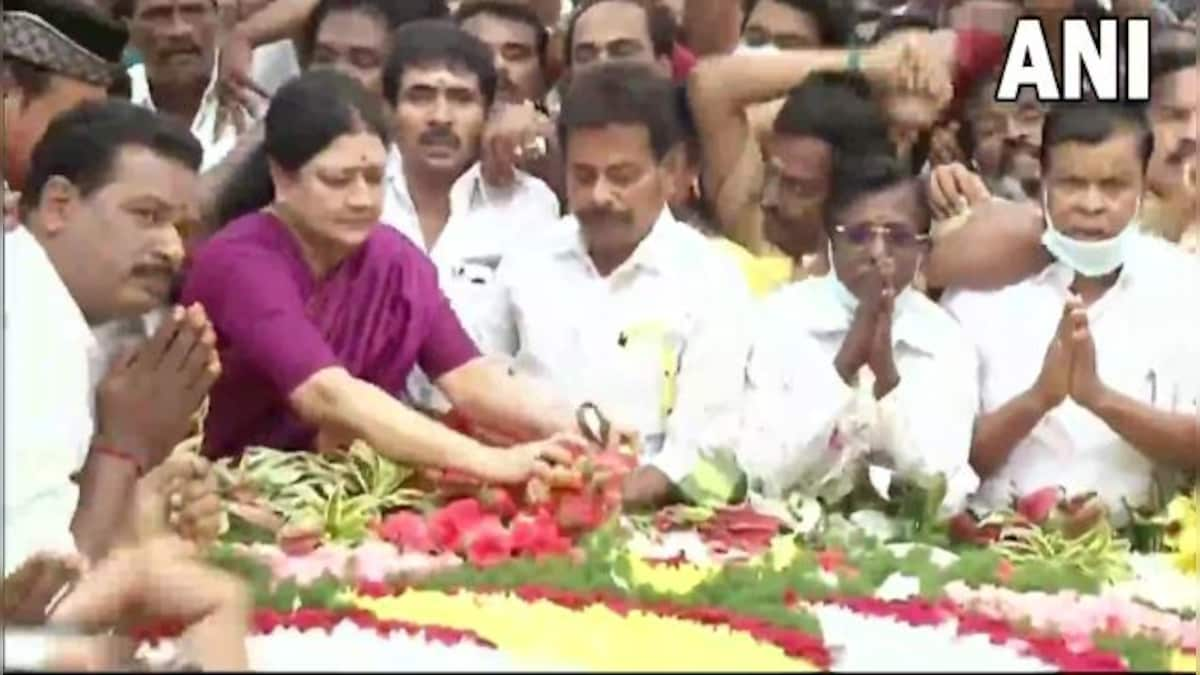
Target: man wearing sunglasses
[857,362]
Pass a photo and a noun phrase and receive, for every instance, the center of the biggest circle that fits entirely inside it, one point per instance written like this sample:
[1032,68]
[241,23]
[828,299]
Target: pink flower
[408,531]
[488,543]
[450,523]
[538,535]
[1039,504]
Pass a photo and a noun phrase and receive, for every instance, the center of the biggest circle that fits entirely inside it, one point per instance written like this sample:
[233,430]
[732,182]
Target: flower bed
[547,578]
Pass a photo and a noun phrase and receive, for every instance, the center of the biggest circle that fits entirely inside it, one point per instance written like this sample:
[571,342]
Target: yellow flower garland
[1183,663]
[673,579]
[593,637]
[1183,513]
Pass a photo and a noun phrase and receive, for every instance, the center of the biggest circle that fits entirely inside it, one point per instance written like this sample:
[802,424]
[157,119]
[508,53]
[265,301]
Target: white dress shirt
[802,420]
[485,222]
[658,344]
[216,142]
[48,402]
[1145,330]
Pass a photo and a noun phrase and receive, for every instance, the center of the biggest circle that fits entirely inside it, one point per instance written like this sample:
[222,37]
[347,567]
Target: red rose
[1038,505]
[408,531]
[538,535]
[488,543]
[448,524]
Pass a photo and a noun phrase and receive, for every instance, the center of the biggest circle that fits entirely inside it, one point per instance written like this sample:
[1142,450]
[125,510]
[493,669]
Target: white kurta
[485,222]
[673,313]
[800,415]
[47,402]
[1145,330]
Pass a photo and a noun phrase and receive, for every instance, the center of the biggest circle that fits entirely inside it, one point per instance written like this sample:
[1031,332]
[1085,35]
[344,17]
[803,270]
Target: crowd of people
[757,234]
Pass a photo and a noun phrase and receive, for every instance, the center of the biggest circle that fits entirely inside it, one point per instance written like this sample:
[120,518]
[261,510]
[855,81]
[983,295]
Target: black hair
[437,42]
[623,93]
[305,116]
[856,123]
[832,30]
[856,176]
[891,23]
[662,34]
[1093,122]
[521,14]
[392,13]
[1164,62]
[82,145]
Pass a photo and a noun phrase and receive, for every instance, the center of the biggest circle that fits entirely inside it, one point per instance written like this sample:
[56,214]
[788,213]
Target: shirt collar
[139,90]
[910,324]
[469,191]
[654,253]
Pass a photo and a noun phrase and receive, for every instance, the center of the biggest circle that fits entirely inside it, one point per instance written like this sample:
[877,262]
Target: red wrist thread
[119,454]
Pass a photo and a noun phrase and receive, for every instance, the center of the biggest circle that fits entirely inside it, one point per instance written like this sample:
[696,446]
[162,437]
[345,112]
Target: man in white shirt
[178,43]
[857,367]
[96,198]
[105,187]
[1089,370]
[440,82]
[621,304]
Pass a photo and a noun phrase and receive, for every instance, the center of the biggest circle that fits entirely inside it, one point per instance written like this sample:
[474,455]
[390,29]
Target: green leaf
[284,597]
[321,593]
[245,532]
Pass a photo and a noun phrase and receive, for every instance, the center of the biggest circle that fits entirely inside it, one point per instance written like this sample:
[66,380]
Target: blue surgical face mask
[1089,258]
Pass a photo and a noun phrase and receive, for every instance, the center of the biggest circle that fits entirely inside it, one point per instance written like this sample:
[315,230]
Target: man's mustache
[604,216]
[179,47]
[442,137]
[159,271]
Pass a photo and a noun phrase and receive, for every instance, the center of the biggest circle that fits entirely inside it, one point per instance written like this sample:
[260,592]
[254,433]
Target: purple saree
[379,313]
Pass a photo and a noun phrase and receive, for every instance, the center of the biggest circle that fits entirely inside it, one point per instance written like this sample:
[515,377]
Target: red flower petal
[488,543]
[409,532]
[1039,504]
[448,525]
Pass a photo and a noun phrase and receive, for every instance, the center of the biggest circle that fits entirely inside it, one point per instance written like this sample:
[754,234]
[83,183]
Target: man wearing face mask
[857,362]
[1106,407]
[621,304]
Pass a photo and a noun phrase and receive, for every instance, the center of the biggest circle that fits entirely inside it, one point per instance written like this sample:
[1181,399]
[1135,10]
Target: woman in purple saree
[321,311]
